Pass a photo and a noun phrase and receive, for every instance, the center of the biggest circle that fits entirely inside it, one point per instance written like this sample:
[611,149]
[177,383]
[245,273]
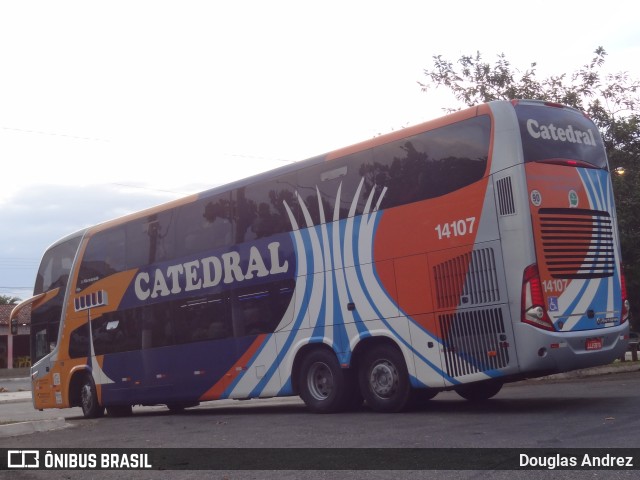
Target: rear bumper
[539,350]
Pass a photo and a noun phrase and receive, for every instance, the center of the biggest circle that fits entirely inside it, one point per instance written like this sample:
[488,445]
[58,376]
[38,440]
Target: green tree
[611,100]
[6,300]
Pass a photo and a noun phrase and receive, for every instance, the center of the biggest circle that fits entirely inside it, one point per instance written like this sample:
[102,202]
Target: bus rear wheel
[324,386]
[91,408]
[384,379]
[479,392]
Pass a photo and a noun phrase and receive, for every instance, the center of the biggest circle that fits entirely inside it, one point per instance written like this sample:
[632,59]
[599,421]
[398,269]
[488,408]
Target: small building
[21,357]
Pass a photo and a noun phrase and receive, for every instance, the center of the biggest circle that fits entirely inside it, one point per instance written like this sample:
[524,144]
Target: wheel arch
[76,377]
[368,343]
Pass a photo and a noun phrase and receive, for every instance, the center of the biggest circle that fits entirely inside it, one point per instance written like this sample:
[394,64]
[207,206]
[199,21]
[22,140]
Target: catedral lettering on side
[551,132]
[207,272]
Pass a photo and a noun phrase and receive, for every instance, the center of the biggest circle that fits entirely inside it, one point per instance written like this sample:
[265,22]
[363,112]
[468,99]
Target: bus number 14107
[457,228]
[557,286]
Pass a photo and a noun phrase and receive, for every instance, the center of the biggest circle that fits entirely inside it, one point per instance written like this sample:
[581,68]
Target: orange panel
[412,280]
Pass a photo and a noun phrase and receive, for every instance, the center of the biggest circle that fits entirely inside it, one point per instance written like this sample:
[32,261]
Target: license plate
[593,344]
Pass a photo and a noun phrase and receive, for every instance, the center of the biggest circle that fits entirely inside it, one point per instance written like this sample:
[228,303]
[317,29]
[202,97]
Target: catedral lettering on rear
[207,272]
[551,132]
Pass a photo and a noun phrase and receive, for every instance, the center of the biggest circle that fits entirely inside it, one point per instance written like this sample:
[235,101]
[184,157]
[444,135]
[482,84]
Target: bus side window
[104,256]
[151,239]
[79,342]
[259,208]
[201,318]
[430,164]
[204,225]
[260,309]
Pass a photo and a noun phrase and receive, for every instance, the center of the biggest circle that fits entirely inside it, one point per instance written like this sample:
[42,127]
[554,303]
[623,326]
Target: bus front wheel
[384,379]
[91,408]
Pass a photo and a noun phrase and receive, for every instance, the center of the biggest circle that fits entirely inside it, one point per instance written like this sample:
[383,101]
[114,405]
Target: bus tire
[384,379]
[91,408]
[323,385]
[479,392]
[119,411]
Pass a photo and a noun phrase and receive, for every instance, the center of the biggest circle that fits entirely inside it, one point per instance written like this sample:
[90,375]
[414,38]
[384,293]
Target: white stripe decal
[332,267]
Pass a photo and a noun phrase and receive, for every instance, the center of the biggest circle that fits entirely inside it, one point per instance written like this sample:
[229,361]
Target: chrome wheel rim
[87,397]
[384,379]
[320,381]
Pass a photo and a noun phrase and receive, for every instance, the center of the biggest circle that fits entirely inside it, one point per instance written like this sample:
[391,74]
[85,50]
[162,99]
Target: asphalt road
[593,412]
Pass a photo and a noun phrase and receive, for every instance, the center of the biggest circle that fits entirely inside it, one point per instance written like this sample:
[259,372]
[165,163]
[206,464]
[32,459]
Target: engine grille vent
[474,341]
[475,272]
[506,205]
[577,243]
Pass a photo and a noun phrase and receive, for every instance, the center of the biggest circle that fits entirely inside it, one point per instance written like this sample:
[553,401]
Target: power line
[53,134]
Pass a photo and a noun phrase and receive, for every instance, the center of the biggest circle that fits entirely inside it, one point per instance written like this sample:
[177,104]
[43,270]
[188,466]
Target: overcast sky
[110,107]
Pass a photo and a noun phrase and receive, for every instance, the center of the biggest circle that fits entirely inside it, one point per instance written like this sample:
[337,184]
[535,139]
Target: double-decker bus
[470,251]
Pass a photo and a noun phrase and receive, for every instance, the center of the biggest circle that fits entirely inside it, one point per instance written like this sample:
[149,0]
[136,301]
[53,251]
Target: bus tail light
[533,311]
[625,299]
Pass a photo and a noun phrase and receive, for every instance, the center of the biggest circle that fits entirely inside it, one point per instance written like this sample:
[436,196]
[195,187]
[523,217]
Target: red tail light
[533,311]
[625,300]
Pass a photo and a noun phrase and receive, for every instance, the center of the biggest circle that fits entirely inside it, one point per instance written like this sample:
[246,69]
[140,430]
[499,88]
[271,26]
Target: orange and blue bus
[470,251]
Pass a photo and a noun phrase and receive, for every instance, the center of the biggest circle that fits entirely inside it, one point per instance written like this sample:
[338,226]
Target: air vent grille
[577,243]
[467,280]
[506,205]
[474,341]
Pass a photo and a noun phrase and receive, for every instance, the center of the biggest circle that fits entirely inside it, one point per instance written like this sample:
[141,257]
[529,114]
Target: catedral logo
[569,134]
[209,272]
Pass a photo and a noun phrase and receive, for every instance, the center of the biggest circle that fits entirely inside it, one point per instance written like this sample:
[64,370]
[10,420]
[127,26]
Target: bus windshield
[559,135]
[53,273]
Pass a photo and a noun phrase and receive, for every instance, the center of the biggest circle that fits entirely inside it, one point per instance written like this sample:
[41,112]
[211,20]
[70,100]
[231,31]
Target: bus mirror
[14,326]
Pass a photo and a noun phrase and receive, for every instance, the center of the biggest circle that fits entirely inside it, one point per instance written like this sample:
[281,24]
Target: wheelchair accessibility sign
[553,304]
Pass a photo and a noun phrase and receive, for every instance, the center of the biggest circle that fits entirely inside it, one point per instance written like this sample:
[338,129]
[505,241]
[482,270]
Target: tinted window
[416,168]
[56,266]
[327,178]
[103,256]
[550,133]
[203,318]
[260,211]
[79,342]
[430,164]
[260,309]
[53,273]
[204,225]
[150,239]
[118,331]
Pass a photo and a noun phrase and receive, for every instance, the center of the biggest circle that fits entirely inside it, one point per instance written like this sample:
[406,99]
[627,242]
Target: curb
[15,397]
[27,428]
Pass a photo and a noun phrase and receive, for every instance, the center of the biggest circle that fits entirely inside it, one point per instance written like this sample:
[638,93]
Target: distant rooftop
[23,317]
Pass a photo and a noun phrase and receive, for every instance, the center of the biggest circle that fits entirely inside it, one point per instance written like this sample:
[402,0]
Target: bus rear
[573,309]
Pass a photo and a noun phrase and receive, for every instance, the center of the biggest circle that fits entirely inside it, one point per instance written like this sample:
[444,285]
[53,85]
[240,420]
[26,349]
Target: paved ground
[17,389]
